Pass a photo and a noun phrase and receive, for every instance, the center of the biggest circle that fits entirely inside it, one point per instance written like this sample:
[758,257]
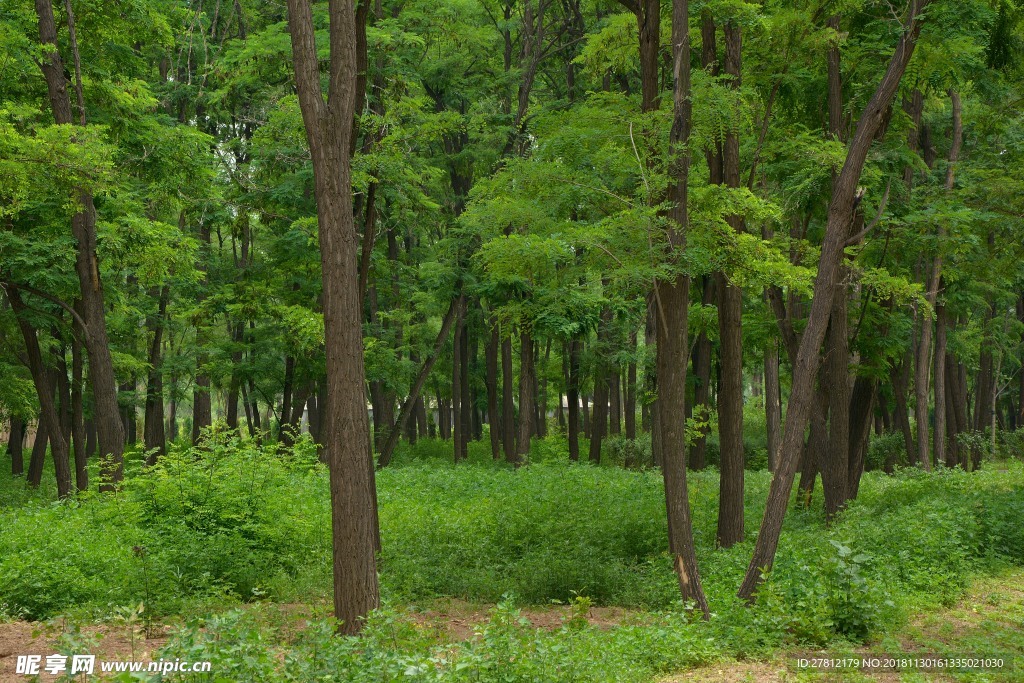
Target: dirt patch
[108,643]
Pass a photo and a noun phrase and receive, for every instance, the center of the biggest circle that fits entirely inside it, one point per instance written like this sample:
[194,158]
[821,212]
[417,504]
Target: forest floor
[988,620]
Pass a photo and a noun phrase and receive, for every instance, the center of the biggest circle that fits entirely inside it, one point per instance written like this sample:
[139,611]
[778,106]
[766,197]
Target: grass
[242,524]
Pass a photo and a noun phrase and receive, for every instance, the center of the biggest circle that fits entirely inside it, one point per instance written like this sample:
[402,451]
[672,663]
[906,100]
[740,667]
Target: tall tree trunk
[702,369]
[730,333]
[491,363]
[202,406]
[78,417]
[44,381]
[835,459]
[862,403]
[459,427]
[526,382]
[37,460]
[16,446]
[155,437]
[629,405]
[508,406]
[599,419]
[673,300]
[841,215]
[772,403]
[83,227]
[573,397]
[467,398]
[346,430]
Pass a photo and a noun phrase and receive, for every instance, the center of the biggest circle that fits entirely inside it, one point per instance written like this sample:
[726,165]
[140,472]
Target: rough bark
[110,432]
[573,398]
[508,406]
[772,403]
[526,382]
[491,363]
[329,127]
[841,215]
[155,436]
[16,446]
[43,379]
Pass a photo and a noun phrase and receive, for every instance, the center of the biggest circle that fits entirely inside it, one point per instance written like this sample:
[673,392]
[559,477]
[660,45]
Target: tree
[346,438]
[840,221]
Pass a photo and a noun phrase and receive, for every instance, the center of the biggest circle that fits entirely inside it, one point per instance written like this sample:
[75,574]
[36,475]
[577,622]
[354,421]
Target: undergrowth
[238,522]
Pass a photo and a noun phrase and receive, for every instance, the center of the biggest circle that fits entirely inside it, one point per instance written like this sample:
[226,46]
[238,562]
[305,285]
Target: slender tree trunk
[835,459]
[702,353]
[467,398]
[37,460]
[16,446]
[202,406]
[454,312]
[772,403]
[459,426]
[629,404]
[526,381]
[155,437]
[347,432]
[44,381]
[491,362]
[862,404]
[673,299]
[841,215]
[83,227]
[508,407]
[78,417]
[573,393]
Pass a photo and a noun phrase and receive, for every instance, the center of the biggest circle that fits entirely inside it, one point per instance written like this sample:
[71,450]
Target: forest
[512,340]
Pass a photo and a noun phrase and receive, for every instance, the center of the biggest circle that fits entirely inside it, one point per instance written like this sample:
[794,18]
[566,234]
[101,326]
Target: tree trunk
[16,446]
[83,227]
[573,397]
[835,459]
[459,427]
[862,404]
[155,437]
[629,405]
[346,427]
[467,398]
[78,417]
[491,363]
[526,382]
[37,460]
[772,403]
[44,381]
[841,214]
[730,414]
[508,406]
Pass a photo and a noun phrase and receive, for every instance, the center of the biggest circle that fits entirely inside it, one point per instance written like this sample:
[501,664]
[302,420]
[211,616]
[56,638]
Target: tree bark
[841,215]
[16,446]
[772,403]
[83,227]
[573,397]
[672,301]
[43,379]
[491,363]
[155,437]
[329,126]
[526,382]
[508,406]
